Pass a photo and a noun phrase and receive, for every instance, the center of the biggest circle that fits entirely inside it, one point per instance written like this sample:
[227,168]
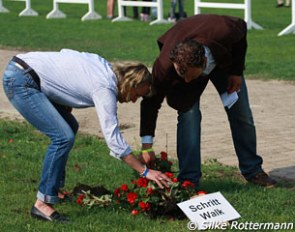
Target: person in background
[280,3]
[110,9]
[195,50]
[173,17]
[145,12]
[45,86]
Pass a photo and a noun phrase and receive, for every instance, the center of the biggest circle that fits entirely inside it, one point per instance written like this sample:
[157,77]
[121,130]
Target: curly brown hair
[188,53]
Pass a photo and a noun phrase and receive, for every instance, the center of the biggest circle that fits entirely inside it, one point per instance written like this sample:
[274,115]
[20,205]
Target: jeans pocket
[8,86]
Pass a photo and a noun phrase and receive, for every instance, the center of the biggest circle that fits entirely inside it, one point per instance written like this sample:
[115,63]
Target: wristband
[148,150]
[145,172]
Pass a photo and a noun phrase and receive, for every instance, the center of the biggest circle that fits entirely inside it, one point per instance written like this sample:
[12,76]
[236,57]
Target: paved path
[273,108]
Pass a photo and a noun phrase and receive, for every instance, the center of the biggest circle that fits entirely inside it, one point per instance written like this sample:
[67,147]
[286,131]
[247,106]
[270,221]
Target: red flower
[164,155]
[134,212]
[175,180]
[187,184]
[201,192]
[131,197]
[117,192]
[10,141]
[150,191]
[124,187]
[80,199]
[169,174]
[141,204]
[142,182]
[144,206]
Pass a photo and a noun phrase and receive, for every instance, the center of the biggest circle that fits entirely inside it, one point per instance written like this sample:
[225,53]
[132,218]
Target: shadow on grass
[285,176]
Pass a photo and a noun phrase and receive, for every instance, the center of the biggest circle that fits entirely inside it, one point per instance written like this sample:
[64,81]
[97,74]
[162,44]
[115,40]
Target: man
[193,51]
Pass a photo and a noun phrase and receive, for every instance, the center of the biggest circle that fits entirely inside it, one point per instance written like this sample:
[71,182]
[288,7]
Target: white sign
[208,209]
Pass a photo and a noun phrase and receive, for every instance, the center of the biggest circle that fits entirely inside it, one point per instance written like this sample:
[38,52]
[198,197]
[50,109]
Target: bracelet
[148,150]
[145,172]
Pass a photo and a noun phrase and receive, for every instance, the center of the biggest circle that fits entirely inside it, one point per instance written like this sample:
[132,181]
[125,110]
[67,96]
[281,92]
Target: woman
[44,86]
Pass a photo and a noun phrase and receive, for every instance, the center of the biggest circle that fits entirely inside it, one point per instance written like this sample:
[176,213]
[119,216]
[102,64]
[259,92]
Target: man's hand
[147,157]
[234,84]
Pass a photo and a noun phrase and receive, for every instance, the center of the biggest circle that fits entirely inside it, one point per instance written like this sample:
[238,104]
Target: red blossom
[124,187]
[142,182]
[141,204]
[80,199]
[117,192]
[201,192]
[131,197]
[150,191]
[164,155]
[187,184]
[175,180]
[10,141]
[169,174]
[134,212]
[144,206]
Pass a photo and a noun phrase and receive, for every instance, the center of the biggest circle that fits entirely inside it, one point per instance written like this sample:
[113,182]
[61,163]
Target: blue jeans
[51,119]
[180,8]
[242,129]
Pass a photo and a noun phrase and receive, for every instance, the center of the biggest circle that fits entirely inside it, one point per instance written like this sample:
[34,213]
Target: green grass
[269,56]
[22,150]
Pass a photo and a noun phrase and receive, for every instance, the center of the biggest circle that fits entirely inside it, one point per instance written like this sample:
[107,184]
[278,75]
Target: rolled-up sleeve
[105,101]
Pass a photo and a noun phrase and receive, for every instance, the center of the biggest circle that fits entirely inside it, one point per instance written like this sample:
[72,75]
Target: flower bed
[141,196]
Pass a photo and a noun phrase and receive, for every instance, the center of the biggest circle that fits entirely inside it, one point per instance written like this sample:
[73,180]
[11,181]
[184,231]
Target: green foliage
[21,155]
[269,56]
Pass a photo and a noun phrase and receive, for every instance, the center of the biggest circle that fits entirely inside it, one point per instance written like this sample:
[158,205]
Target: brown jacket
[226,38]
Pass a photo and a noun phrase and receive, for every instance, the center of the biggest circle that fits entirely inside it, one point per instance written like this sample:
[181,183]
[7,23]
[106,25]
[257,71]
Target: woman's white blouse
[80,80]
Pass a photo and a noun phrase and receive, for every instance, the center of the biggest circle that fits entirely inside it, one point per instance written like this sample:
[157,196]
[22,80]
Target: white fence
[2,8]
[158,4]
[246,6]
[90,15]
[28,11]
[291,27]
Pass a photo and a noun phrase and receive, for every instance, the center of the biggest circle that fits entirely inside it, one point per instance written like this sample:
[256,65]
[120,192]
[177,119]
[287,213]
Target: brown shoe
[263,179]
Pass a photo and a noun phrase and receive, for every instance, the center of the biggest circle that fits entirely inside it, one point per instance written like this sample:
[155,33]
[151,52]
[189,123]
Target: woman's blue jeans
[242,129]
[51,119]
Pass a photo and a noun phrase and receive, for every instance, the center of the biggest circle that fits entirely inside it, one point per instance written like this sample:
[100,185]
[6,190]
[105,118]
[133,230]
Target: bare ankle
[45,208]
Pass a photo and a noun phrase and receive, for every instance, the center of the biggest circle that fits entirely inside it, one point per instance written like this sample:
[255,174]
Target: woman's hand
[160,178]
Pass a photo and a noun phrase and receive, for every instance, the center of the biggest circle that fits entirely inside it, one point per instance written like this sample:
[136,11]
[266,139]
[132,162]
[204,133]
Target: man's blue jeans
[242,129]
[51,119]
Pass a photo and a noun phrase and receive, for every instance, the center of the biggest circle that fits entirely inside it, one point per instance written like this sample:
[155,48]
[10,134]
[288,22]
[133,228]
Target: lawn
[269,56]
[21,153]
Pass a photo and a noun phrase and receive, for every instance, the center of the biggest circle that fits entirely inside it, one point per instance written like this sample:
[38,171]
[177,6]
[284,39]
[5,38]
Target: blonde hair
[130,75]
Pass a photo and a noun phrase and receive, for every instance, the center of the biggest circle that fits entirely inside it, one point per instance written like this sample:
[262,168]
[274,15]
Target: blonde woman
[44,86]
